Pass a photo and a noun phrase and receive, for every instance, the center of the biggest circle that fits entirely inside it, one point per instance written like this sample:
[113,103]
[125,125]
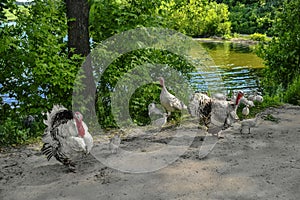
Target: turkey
[247,102]
[258,98]
[246,110]
[153,110]
[249,123]
[114,144]
[66,137]
[168,100]
[215,114]
[159,123]
[196,100]
[250,97]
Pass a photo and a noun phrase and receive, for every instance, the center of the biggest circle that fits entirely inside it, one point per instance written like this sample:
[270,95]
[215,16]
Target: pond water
[235,63]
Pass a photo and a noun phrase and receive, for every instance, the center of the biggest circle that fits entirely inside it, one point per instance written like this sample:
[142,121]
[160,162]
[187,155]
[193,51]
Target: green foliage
[113,17]
[6,6]
[196,18]
[292,95]
[34,64]
[125,74]
[282,53]
[248,17]
[258,37]
[109,17]
[14,131]
[34,59]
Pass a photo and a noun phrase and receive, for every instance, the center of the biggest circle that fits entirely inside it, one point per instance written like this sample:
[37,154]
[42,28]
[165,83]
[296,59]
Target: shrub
[282,53]
[13,131]
[258,37]
[292,95]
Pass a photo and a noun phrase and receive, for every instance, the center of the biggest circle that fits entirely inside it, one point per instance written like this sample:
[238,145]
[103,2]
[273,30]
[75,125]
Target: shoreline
[232,40]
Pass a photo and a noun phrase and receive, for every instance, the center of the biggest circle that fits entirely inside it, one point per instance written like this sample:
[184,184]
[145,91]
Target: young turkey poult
[66,137]
[246,110]
[249,123]
[155,112]
[114,143]
[159,123]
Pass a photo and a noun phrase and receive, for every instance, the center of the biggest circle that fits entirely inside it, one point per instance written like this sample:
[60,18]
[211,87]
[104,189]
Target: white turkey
[168,100]
[247,102]
[215,114]
[258,98]
[66,137]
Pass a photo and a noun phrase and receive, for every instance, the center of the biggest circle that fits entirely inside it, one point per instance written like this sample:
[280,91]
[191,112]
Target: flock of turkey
[67,138]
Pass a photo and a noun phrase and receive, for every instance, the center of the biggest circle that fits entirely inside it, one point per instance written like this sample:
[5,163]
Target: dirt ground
[264,164]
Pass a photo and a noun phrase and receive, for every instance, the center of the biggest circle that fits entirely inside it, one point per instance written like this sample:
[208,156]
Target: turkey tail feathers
[56,113]
[47,150]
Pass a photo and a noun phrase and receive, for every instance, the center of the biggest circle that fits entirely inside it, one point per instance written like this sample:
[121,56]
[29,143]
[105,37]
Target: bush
[193,18]
[258,37]
[197,18]
[282,53]
[14,131]
[292,95]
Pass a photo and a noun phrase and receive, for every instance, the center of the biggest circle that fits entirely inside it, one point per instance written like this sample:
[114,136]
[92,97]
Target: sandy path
[262,165]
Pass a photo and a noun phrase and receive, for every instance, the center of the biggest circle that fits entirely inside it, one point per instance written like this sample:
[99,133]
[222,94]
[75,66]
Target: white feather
[245,110]
[168,100]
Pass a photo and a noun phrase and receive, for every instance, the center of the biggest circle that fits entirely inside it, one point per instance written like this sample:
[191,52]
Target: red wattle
[80,128]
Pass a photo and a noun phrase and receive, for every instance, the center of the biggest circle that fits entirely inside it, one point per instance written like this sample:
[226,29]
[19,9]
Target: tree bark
[79,43]
[78,22]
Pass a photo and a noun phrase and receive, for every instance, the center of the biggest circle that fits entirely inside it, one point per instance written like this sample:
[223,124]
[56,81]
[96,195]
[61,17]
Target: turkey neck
[238,98]
[162,83]
[80,128]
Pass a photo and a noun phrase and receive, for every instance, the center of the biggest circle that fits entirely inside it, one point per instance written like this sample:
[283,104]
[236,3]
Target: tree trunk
[78,43]
[78,22]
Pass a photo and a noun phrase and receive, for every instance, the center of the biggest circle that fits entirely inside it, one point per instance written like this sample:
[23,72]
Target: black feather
[205,113]
[62,117]
[47,150]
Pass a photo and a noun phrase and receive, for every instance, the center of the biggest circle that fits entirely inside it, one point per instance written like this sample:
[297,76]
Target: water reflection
[237,64]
